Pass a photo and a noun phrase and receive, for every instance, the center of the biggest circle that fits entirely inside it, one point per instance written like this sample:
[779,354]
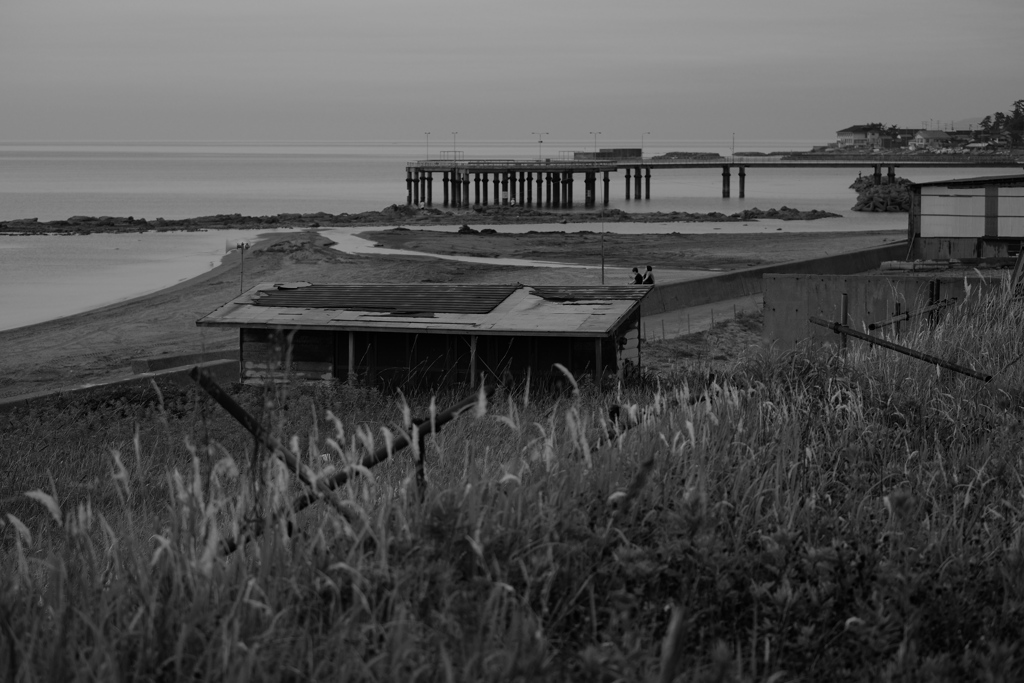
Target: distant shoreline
[503,215]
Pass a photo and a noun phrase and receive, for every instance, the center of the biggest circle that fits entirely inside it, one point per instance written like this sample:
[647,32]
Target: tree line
[1010,123]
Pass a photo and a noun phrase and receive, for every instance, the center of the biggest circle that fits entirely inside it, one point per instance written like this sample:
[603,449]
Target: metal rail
[899,348]
[763,162]
[911,314]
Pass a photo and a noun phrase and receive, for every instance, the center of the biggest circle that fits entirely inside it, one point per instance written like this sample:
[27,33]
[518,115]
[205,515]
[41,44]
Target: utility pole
[540,141]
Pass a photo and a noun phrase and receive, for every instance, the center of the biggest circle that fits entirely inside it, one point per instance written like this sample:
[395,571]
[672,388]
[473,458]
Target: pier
[551,183]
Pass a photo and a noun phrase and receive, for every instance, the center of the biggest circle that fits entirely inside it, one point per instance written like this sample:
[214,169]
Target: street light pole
[540,141]
[642,143]
[428,144]
[595,139]
[454,153]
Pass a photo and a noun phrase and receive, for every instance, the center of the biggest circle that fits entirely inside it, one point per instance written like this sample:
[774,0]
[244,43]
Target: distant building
[966,218]
[610,154]
[430,335]
[931,139]
[860,136]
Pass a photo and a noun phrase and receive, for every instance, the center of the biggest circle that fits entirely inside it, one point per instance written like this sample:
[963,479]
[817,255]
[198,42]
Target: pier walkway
[466,182]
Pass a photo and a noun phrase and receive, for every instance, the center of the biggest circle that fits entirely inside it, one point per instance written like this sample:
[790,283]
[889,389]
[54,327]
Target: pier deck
[514,180]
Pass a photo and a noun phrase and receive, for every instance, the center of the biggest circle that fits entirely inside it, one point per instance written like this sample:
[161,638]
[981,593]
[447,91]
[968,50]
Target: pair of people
[646,279]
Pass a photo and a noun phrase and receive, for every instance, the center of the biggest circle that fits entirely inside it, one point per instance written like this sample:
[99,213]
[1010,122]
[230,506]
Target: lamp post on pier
[540,141]
[642,143]
[454,153]
[428,144]
[595,139]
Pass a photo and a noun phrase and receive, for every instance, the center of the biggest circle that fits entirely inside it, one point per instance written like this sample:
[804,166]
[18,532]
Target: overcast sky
[351,70]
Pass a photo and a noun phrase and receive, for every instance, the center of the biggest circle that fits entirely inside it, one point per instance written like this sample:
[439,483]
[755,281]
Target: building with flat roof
[430,334]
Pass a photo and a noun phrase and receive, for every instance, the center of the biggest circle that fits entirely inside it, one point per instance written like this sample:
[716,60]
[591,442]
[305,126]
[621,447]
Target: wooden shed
[967,218]
[431,334]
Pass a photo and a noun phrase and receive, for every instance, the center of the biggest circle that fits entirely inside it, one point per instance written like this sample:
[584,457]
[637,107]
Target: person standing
[638,279]
[648,278]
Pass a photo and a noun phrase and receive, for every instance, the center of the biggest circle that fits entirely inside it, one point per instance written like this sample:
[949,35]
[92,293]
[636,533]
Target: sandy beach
[101,344]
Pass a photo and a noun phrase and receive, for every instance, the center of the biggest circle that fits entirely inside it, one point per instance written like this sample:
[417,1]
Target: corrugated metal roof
[390,298]
[980,181]
[592,293]
[595,311]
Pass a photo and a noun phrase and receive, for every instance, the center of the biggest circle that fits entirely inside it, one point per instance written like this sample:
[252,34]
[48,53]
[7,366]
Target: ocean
[57,181]
[45,277]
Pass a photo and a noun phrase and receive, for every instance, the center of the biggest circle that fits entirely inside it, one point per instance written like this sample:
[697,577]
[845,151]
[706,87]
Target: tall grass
[814,515]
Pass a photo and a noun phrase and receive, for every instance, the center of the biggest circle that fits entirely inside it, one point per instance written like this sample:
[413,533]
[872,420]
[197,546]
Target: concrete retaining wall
[740,283]
[790,300]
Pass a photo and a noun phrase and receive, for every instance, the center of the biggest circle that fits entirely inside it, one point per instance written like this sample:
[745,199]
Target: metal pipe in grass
[899,348]
[204,380]
[324,487]
[384,452]
[911,314]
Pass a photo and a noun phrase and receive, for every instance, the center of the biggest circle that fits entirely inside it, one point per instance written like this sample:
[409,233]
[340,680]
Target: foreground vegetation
[806,516]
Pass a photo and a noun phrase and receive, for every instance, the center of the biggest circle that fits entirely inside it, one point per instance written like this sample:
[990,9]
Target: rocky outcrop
[885,198]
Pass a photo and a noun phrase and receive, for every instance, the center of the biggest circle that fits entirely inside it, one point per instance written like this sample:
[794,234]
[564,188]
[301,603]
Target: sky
[363,70]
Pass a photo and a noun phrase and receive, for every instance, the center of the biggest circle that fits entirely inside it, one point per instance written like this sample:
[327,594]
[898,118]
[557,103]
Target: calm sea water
[54,182]
[45,277]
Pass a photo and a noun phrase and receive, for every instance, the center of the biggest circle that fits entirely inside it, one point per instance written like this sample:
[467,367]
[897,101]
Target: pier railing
[843,161]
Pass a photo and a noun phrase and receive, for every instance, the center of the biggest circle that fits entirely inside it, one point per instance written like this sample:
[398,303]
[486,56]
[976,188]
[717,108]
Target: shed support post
[472,360]
[606,188]
[743,182]
[627,183]
[430,188]
[408,186]
[844,315]
[444,186]
[636,183]
[877,176]
[726,178]
[351,357]
[647,183]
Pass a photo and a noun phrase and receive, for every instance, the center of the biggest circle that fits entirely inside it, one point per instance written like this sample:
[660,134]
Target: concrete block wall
[748,281]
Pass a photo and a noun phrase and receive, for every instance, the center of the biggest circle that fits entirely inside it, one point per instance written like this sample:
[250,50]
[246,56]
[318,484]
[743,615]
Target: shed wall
[429,360]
